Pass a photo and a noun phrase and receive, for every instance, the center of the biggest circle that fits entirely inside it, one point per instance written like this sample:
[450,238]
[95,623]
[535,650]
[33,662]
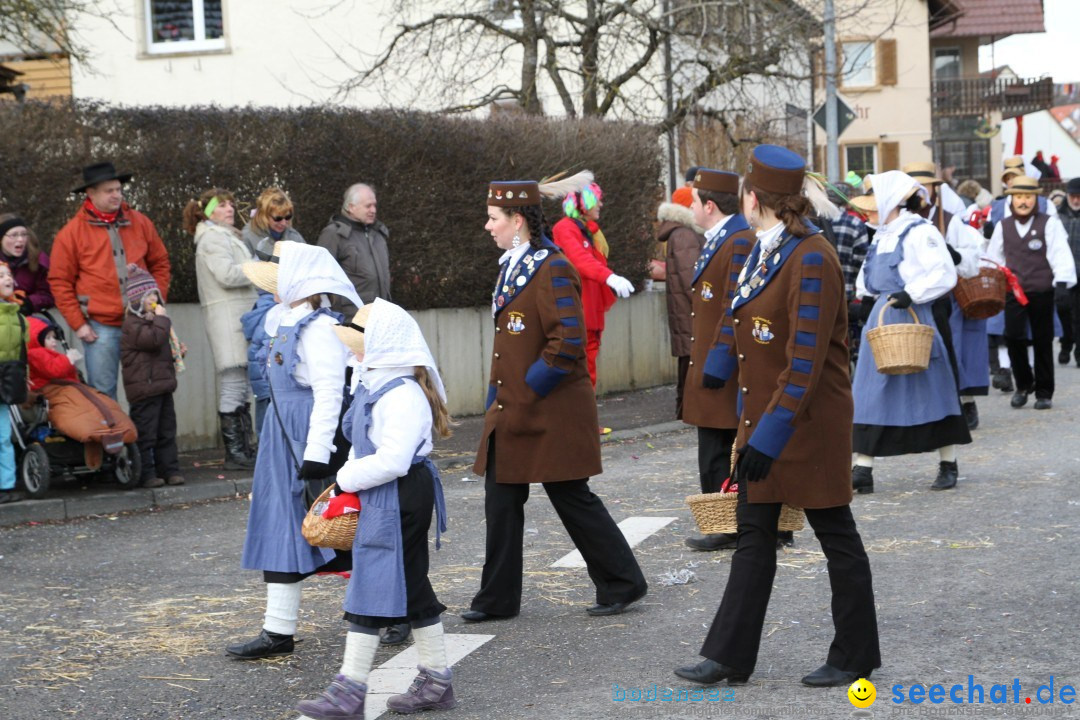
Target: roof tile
[994,17]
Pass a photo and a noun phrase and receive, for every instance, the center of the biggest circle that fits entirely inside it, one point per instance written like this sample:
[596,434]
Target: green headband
[211,206]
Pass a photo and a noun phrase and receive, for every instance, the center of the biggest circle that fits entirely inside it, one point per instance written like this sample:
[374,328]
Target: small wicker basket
[982,296]
[900,349]
[715,512]
[336,533]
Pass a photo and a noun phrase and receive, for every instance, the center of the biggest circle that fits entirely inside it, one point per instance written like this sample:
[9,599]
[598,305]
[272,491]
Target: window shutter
[888,156]
[818,68]
[886,62]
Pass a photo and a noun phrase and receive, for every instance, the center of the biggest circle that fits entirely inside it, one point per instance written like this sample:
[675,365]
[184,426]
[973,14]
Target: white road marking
[634,529]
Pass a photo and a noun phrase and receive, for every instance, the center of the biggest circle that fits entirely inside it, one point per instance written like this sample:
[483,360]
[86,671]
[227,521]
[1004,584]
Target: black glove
[865,308]
[312,470]
[712,382]
[753,465]
[953,254]
[901,300]
[1062,296]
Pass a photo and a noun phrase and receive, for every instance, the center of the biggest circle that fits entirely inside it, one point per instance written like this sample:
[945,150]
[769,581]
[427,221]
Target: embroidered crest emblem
[706,292]
[517,323]
[762,333]
[1035,244]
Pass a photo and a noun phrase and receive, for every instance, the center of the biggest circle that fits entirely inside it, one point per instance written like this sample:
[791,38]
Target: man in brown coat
[707,404]
[682,244]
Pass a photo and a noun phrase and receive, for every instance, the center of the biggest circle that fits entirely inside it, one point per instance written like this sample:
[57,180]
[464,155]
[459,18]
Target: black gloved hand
[27,307]
[953,253]
[712,382]
[1062,296]
[753,465]
[312,470]
[901,300]
[865,308]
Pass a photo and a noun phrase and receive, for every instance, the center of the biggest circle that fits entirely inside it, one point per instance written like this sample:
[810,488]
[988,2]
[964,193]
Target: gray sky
[1051,53]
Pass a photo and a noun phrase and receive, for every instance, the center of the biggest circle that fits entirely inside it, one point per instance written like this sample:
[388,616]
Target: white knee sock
[965,399]
[282,608]
[947,453]
[431,646]
[359,655]
[1003,358]
[864,460]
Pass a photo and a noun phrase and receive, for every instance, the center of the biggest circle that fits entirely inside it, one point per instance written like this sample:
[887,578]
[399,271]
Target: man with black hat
[1035,246]
[1070,218]
[88,268]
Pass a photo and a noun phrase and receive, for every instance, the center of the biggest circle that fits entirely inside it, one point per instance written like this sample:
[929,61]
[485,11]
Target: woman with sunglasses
[30,266]
[271,222]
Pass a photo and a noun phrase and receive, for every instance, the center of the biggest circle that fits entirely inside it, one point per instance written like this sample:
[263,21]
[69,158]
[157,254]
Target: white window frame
[850,146]
[867,60]
[200,44]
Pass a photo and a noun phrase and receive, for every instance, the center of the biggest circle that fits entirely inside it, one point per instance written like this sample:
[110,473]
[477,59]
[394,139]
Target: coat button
[498,382]
[747,422]
[691,338]
[741,356]
[498,329]
[691,362]
[692,290]
[692,314]
[736,321]
[746,391]
[496,356]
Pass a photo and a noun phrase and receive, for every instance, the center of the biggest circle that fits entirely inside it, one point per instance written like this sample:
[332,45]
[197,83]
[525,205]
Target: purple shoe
[430,691]
[342,700]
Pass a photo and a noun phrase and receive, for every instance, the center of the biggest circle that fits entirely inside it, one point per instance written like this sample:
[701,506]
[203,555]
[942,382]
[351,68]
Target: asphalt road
[126,616]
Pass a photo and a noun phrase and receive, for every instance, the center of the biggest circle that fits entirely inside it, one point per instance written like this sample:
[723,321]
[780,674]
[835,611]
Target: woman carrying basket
[306,373]
[789,355]
[908,266]
[399,402]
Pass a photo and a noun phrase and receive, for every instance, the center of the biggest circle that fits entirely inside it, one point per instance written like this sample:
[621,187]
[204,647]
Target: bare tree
[44,27]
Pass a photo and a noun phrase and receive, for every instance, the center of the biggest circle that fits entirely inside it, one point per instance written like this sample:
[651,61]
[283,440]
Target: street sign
[844,116]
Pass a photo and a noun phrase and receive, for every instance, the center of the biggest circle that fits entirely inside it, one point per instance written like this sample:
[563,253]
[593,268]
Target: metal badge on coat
[762,332]
[517,322]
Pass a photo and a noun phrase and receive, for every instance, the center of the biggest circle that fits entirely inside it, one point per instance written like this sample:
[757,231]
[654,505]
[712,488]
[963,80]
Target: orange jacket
[81,265]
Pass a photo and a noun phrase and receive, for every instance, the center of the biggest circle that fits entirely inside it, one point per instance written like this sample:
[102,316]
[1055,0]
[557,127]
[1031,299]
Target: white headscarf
[392,339]
[305,270]
[890,188]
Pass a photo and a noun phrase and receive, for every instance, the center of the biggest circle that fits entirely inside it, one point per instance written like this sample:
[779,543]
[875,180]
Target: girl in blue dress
[399,403]
[305,369]
[908,265]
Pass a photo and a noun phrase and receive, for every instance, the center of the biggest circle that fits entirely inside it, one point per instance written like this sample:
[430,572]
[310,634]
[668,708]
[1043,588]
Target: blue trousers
[103,358]
[7,450]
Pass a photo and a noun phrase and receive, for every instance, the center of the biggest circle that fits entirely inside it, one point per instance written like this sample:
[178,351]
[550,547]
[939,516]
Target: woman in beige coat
[225,294]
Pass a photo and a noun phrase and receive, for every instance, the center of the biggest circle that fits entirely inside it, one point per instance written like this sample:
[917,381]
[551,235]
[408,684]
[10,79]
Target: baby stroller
[68,429]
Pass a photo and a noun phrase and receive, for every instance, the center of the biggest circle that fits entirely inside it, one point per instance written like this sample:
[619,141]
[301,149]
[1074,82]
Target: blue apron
[377,585]
[274,541]
[900,400]
[972,349]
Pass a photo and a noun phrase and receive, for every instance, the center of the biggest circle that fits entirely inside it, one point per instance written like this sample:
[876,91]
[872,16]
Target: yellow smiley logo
[862,693]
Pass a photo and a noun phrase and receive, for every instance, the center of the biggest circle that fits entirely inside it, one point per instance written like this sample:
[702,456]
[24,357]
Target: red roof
[994,18]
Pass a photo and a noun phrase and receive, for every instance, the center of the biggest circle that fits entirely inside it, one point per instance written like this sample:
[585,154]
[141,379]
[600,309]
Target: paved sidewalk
[630,415]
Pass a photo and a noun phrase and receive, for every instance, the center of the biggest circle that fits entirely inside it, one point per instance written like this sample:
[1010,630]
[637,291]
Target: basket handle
[322,496]
[890,303]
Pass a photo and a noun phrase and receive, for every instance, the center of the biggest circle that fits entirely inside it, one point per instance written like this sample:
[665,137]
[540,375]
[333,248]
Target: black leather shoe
[1019,399]
[785,538]
[710,672]
[1003,380]
[716,541]
[268,644]
[971,414]
[948,474]
[828,676]
[395,634]
[476,616]
[862,479]
[1043,403]
[1063,356]
[599,610]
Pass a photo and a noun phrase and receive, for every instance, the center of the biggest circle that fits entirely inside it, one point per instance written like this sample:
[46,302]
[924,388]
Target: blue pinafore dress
[278,503]
[919,400]
[389,582]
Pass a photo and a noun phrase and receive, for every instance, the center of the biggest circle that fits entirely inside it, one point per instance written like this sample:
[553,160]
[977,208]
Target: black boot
[251,441]
[268,644]
[395,634]
[971,414]
[862,479]
[1002,380]
[232,433]
[785,538]
[715,541]
[948,474]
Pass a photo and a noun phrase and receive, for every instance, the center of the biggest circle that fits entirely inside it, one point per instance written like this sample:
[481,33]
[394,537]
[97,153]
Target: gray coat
[257,242]
[362,252]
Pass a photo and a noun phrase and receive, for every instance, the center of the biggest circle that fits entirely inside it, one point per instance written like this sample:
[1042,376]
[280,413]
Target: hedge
[430,173]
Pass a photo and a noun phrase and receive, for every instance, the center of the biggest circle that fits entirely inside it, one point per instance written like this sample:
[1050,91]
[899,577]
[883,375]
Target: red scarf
[107,218]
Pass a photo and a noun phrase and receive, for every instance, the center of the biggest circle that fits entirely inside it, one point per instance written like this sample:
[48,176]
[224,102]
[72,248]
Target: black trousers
[1039,314]
[680,383]
[941,309]
[1069,314]
[610,561]
[714,457]
[155,419]
[735,635]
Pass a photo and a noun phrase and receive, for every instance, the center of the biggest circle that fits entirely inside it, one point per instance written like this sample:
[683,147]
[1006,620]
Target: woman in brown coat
[794,439]
[541,421]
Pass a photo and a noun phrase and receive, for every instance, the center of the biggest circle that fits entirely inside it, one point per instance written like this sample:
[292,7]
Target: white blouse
[927,269]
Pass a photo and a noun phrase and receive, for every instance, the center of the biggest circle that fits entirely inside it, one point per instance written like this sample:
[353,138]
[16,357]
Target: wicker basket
[900,349]
[336,533]
[982,296]
[715,513]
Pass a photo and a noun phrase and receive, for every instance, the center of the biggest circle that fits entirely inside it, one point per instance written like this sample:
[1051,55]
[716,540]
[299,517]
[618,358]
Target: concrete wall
[636,353]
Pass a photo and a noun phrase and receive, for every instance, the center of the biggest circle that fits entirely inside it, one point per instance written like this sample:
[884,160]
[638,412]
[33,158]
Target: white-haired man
[357,240]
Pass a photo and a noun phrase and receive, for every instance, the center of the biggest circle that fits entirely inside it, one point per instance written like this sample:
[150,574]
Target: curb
[53,509]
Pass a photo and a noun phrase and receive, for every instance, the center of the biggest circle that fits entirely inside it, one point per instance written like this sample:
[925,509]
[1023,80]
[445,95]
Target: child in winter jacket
[46,357]
[13,336]
[149,372]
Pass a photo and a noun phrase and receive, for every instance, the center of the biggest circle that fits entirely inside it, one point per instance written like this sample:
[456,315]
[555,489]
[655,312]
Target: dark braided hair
[534,219]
